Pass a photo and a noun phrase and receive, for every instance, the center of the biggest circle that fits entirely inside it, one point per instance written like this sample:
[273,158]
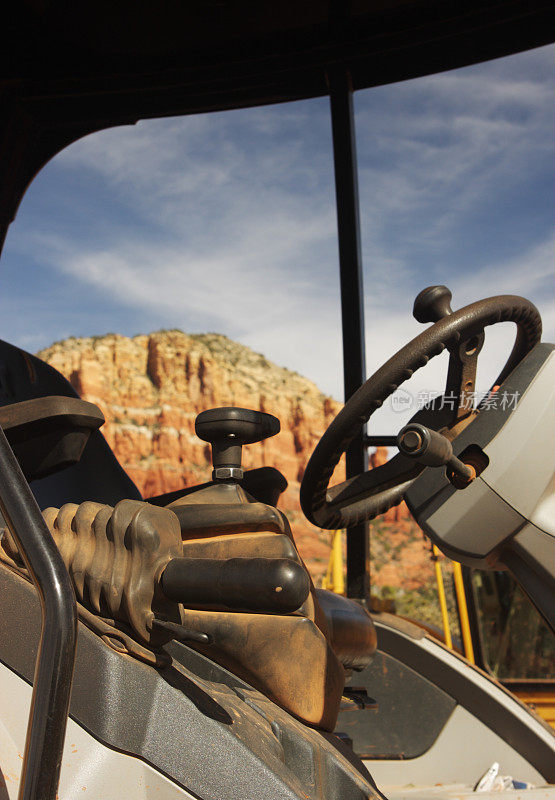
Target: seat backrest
[98,475]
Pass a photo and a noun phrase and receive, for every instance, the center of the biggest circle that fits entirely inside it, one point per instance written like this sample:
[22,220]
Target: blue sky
[226,222]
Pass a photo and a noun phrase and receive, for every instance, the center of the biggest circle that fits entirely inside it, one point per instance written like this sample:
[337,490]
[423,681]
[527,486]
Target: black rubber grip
[235,425]
[270,585]
[425,445]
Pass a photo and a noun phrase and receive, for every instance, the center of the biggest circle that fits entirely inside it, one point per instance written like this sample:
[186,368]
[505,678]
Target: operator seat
[97,476]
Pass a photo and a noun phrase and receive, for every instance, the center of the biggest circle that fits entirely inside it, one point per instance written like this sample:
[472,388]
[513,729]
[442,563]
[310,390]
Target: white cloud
[531,274]
[444,148]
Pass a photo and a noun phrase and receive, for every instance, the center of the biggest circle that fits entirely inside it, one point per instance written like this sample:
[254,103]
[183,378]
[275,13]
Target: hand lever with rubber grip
[263,585]
[432,449]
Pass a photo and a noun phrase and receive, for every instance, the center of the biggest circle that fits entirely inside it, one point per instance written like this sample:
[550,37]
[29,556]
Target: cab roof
[68,69]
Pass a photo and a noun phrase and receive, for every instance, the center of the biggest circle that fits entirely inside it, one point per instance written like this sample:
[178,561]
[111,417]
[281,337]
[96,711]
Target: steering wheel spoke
[460,388]
[398,470]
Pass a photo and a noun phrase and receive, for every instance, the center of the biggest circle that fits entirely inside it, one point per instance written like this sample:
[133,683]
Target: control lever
[263,585]
[228,429]
[432,449]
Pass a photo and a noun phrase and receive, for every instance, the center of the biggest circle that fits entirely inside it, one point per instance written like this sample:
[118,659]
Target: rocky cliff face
[150,389]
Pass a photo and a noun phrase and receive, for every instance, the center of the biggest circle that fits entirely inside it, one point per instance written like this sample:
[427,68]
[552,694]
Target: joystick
[227,430]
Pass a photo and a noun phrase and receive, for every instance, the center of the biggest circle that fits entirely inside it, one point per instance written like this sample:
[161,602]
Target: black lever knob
[432,304]
[270,585]
[228,429]
[432,449]
[424,445]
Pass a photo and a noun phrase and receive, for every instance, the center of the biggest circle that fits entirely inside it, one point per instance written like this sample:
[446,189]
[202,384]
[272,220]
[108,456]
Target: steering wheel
[461,332]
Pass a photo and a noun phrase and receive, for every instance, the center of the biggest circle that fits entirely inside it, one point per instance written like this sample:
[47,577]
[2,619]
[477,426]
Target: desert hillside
[150,389]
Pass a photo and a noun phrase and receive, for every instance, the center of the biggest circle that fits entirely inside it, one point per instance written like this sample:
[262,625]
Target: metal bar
[463,612]
[441,598]
[352,308]
[473,619]
[46,728]
[337,569]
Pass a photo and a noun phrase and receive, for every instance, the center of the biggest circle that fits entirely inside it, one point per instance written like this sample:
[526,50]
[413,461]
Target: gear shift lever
[228,429]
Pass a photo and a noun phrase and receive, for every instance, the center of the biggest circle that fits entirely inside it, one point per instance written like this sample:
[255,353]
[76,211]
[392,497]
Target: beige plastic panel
[522,455]
[465,748]
[90,771]
[463,751]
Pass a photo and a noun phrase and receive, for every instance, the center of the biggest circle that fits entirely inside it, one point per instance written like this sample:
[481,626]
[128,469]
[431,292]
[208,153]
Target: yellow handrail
[463,612]
[442,600]
[334,578]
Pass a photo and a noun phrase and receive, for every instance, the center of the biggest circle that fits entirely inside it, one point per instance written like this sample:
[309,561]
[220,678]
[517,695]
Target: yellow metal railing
[460,595]
[463,612]
[441,597]
[334,579]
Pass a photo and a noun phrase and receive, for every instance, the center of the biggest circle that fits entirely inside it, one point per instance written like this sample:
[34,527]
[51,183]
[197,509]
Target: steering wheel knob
[432,304]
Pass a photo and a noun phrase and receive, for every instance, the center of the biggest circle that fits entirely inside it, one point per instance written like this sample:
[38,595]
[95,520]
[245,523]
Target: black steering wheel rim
[365,496]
